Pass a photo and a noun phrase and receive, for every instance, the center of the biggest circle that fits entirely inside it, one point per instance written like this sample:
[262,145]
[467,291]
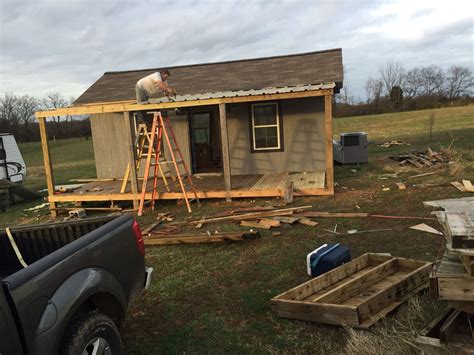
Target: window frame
[278,125]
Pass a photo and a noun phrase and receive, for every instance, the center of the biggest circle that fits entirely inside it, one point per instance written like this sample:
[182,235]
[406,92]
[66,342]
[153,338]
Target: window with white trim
[266,127]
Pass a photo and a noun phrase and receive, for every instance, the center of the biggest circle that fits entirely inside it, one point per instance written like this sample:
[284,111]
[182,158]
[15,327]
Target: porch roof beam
[126,106]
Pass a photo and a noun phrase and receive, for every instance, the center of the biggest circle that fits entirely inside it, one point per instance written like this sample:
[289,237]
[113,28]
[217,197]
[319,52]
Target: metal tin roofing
[237,93]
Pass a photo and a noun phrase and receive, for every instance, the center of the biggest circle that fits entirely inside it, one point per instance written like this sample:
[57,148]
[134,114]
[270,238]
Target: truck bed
[37,241]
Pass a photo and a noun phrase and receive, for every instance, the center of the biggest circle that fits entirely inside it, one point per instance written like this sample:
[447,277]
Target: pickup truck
[66,286]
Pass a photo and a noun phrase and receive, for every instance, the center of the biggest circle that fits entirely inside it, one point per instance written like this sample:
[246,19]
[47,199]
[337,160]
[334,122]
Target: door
[205,150]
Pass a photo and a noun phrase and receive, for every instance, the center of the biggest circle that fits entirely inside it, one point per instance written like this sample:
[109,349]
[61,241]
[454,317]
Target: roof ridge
[226,62]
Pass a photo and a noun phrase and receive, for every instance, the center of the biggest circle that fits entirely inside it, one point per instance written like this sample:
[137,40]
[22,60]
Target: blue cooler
[327,257]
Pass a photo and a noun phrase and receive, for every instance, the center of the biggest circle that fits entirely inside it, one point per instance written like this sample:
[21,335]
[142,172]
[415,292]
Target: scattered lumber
[394,143]
[307,222]
[334,214]
[357,294]
[255,215]
[424,174]
[200,238]
[243,210]
[426,159]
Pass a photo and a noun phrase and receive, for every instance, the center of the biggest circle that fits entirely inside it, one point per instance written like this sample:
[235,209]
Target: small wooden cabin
[245,127]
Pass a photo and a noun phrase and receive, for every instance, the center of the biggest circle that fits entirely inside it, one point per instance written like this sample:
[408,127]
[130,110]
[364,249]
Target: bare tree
[26,108]
[412,83]
[55,100]
[431,80]
[373,88]
[458,81]
[8,109]
[392,75]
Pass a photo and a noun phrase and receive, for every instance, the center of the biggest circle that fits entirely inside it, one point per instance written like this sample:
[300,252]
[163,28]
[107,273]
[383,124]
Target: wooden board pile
[262,217]
[453,279]
[355,294]
[426,159]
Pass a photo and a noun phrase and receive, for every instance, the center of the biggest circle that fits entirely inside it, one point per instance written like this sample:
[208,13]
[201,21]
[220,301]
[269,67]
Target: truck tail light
[138,238]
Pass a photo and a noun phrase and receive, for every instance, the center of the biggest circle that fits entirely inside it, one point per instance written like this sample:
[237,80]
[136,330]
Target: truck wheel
[92,334]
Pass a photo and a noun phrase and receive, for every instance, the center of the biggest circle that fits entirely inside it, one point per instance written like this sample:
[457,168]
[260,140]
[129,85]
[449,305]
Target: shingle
[290,70]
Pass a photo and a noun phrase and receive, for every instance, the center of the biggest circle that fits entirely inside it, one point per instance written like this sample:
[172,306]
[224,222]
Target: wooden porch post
[225,151]
[48,169]
[130,133]
[329,147]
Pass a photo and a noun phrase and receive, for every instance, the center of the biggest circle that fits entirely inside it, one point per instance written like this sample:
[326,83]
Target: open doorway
[205,143]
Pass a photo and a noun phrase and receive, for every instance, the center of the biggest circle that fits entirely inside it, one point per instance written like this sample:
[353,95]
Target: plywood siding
[109,140]
[303,139]
[110,148]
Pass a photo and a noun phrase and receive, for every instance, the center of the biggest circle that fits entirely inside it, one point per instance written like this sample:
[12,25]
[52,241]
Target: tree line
[17,116]
[398,89]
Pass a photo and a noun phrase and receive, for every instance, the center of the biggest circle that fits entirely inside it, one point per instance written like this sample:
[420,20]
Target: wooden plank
[329,147]
[131,107]
[270,222]
[48,168]
[334,214]
[225,150]
[306,222]
[200,238]
[314,312]
[130,136]
[255,225]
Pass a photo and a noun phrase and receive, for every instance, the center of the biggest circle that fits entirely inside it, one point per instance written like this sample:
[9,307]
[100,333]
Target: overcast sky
[65,45]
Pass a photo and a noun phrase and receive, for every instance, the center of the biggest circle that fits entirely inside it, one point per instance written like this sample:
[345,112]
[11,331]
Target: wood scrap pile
[453,278]
[262,219]
[465,186]
[394,143]
[421,160]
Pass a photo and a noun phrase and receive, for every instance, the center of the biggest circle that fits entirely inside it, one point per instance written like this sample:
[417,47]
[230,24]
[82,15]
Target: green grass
[215,298]
[72,159]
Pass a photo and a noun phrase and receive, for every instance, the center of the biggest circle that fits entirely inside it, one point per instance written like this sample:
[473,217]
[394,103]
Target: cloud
[54,45]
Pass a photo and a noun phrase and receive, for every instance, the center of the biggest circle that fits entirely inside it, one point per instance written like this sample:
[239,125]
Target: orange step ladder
[161,127]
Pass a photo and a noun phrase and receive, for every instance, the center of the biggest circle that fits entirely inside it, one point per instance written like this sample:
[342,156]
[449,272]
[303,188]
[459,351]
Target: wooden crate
[448,334]
[356,294]
[450,280]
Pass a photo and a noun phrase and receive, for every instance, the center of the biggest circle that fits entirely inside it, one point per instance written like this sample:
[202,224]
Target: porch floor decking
[207,186]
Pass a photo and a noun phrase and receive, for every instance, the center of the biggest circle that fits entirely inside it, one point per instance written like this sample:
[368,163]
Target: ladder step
[179,161]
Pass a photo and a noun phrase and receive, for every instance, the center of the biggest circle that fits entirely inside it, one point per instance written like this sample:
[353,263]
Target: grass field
[215,298]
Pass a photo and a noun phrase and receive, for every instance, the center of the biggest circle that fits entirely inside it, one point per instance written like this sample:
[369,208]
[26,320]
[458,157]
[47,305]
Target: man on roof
[153,85]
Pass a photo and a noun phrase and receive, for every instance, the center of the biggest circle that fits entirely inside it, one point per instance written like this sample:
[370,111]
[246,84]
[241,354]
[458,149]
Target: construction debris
[284,219]
[251,224]
[334,214]
[77,213]
[426,159]
[424,174]
[426,228]
[200,238]
[256,215]
[394,143]
[465,186]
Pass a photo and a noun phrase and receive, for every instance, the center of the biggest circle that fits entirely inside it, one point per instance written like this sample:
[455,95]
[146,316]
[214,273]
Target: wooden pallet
[450,280]
[356,294]
[448,334]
